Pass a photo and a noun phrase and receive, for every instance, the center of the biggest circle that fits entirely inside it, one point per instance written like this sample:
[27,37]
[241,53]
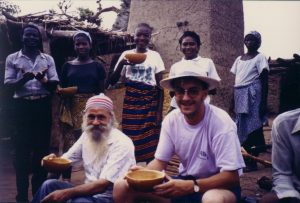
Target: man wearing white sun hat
[205,139]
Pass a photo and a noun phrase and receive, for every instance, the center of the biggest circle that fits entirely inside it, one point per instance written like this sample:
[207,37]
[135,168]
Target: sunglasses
[191,92]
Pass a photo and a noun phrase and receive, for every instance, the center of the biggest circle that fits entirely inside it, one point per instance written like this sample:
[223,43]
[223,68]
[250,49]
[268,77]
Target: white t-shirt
[197,64]
[144,72]
[204,149]
[246,72]
[114,164]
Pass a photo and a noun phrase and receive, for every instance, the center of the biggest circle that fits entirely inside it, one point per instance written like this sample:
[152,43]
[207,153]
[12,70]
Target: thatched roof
[62,27]
[57,32]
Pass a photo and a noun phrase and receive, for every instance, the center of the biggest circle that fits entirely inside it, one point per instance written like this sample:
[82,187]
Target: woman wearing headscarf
[80,79]
[250,96]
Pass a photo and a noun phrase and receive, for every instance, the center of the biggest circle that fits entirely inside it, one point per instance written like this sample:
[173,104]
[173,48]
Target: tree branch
[112,8]
[8,16]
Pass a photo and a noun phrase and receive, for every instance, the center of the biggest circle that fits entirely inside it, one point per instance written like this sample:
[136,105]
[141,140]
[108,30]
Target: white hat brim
[167,83]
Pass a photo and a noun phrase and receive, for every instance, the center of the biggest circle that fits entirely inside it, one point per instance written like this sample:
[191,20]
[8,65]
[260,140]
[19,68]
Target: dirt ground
[250,188]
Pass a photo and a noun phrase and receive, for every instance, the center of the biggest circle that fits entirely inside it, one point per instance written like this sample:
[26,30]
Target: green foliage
[85,13]
[9,7]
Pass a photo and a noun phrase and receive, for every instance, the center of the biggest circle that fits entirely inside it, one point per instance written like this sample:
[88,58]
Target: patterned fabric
[141,120]
[247,100]
[100,101]
[71,119]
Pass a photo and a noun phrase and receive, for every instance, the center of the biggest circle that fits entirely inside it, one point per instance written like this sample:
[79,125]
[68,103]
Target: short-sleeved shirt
[86,77]
[199,64]
[17,64]
[286,154]
[204,149]
[246,72]
[144,72]
[115,162]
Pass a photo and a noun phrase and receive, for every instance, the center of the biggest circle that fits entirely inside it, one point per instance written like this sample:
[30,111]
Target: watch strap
[196,185]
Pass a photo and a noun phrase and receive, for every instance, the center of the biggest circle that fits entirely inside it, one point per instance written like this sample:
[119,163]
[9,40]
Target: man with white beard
[105,152]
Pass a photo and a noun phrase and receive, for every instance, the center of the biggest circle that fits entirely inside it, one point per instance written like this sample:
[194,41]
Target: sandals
[265,183]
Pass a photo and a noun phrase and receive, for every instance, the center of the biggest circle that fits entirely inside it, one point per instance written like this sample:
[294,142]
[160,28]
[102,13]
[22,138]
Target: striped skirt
[141,120]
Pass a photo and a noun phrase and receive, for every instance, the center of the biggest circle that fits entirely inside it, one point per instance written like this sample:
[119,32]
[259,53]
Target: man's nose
[96,121]
[185,95]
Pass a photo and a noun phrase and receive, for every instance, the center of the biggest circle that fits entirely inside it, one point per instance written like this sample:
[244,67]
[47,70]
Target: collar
[296,129]
[20,54]
[194,59]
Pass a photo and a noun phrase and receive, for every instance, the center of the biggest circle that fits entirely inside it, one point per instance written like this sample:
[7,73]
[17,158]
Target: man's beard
[97,139]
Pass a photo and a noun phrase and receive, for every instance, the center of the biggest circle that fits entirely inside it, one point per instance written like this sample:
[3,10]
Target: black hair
[31,26]
[178,81]
[191,34]
[145,25]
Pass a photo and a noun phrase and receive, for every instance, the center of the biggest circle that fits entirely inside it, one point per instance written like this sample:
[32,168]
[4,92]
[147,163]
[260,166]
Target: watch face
[196,188]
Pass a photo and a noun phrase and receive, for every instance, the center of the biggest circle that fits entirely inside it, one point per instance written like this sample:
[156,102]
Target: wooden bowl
[136,58]
[69,90]
[144,180]
[56,164]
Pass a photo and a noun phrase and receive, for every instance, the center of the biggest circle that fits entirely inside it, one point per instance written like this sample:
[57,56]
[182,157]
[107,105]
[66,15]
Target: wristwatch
[196,186]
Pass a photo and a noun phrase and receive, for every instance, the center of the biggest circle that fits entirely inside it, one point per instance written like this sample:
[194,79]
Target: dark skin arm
[158,78]
[231,106]
[115,76]
[264,77]
[48,84]
[14,85]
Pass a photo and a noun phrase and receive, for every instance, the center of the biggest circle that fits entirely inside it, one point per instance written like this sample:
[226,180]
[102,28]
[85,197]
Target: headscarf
[100,101]
[256,35]
[84,33]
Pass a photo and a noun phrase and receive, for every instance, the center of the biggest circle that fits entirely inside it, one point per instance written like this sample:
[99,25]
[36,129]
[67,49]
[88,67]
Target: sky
[277,21]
